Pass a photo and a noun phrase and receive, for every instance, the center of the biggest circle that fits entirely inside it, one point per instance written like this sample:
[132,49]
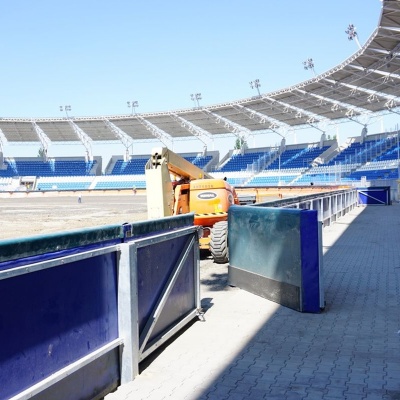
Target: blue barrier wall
[374,195]
[163,257]
[55,316]
[274,253]
[60,303]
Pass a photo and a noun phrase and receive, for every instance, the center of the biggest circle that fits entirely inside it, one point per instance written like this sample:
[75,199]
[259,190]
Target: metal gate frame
[137,344]
[374,195]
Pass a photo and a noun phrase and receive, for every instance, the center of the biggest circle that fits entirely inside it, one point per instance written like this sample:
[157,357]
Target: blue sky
[97,55]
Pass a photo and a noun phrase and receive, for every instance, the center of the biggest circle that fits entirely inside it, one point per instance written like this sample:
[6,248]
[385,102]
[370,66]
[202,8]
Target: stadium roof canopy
[365,84]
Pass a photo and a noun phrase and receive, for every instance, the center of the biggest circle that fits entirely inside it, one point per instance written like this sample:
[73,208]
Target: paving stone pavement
[252,348]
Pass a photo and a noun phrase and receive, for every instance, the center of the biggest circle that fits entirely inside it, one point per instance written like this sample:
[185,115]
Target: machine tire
[219,242]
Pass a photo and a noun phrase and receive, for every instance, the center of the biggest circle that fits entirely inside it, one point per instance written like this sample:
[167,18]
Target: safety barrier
[330,206]
[276,247]
[275,253]
[374,195]
[79,310]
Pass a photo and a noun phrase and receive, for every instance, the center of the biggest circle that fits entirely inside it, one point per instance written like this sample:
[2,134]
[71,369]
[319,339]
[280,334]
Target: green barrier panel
[274,253]
[13,249]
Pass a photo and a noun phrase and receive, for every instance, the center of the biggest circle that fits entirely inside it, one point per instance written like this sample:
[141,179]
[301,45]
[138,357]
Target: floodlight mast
[195,98]
[352,34]
[132,105]
[66,109]
[256,85]
[309,64]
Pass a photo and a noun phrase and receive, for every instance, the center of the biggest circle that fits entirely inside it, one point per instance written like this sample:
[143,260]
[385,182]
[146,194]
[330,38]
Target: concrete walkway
[251,348]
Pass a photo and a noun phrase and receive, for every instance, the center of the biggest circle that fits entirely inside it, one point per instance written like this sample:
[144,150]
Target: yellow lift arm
[160,194]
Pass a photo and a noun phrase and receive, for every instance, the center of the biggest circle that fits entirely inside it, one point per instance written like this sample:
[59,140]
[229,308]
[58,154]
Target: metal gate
[377,195]
[159,292]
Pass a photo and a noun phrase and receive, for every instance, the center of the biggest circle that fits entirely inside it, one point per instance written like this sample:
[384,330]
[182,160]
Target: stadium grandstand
[366,84]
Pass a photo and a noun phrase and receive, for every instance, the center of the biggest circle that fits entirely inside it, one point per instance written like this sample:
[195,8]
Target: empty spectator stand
[70,183]
[117,182]
[238,161]
[8,169]
[297,157]
[136,164]
[104,182]
[131,167]
[272,179]
[199,160]
[375,174]
[28,166]
[267,166]
[360,152]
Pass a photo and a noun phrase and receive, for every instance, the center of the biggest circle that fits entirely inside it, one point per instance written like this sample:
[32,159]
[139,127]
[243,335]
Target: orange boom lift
[176,186]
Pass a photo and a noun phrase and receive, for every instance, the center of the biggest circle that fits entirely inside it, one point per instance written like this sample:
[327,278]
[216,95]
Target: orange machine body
[208,199]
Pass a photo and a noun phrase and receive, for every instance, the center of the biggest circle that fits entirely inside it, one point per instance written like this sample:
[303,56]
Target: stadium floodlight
[256,85]
[195,98]
[132,105]
[352,34]
[66,109]
[309,64]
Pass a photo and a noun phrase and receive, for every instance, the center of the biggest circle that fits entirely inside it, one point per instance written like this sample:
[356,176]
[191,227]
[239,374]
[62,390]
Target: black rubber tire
[219,242]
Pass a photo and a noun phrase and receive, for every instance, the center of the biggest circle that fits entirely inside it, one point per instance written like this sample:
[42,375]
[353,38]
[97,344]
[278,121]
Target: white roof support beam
[351,110]
[126,140]
[373,94]
[336,105]
[195,130]
[377,66]
[391,28]
[240,131]
[350,62]
[385,74]
[261,118]
[387,6]
[3,141]
[391,105]
[162,136]
[311,117]
[84,138]
[44,140]
[378,51]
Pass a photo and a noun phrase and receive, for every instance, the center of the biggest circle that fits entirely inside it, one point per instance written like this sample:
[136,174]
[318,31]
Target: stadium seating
[271,180]
[64,183]
[360,153]
[136,166]
[297,158]
[239,162]
[373,159]
[199,161]
[374,174]
[8,170]
[120,182]
[47,168]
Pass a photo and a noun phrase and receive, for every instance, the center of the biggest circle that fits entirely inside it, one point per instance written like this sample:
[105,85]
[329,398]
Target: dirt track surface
[20,217]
